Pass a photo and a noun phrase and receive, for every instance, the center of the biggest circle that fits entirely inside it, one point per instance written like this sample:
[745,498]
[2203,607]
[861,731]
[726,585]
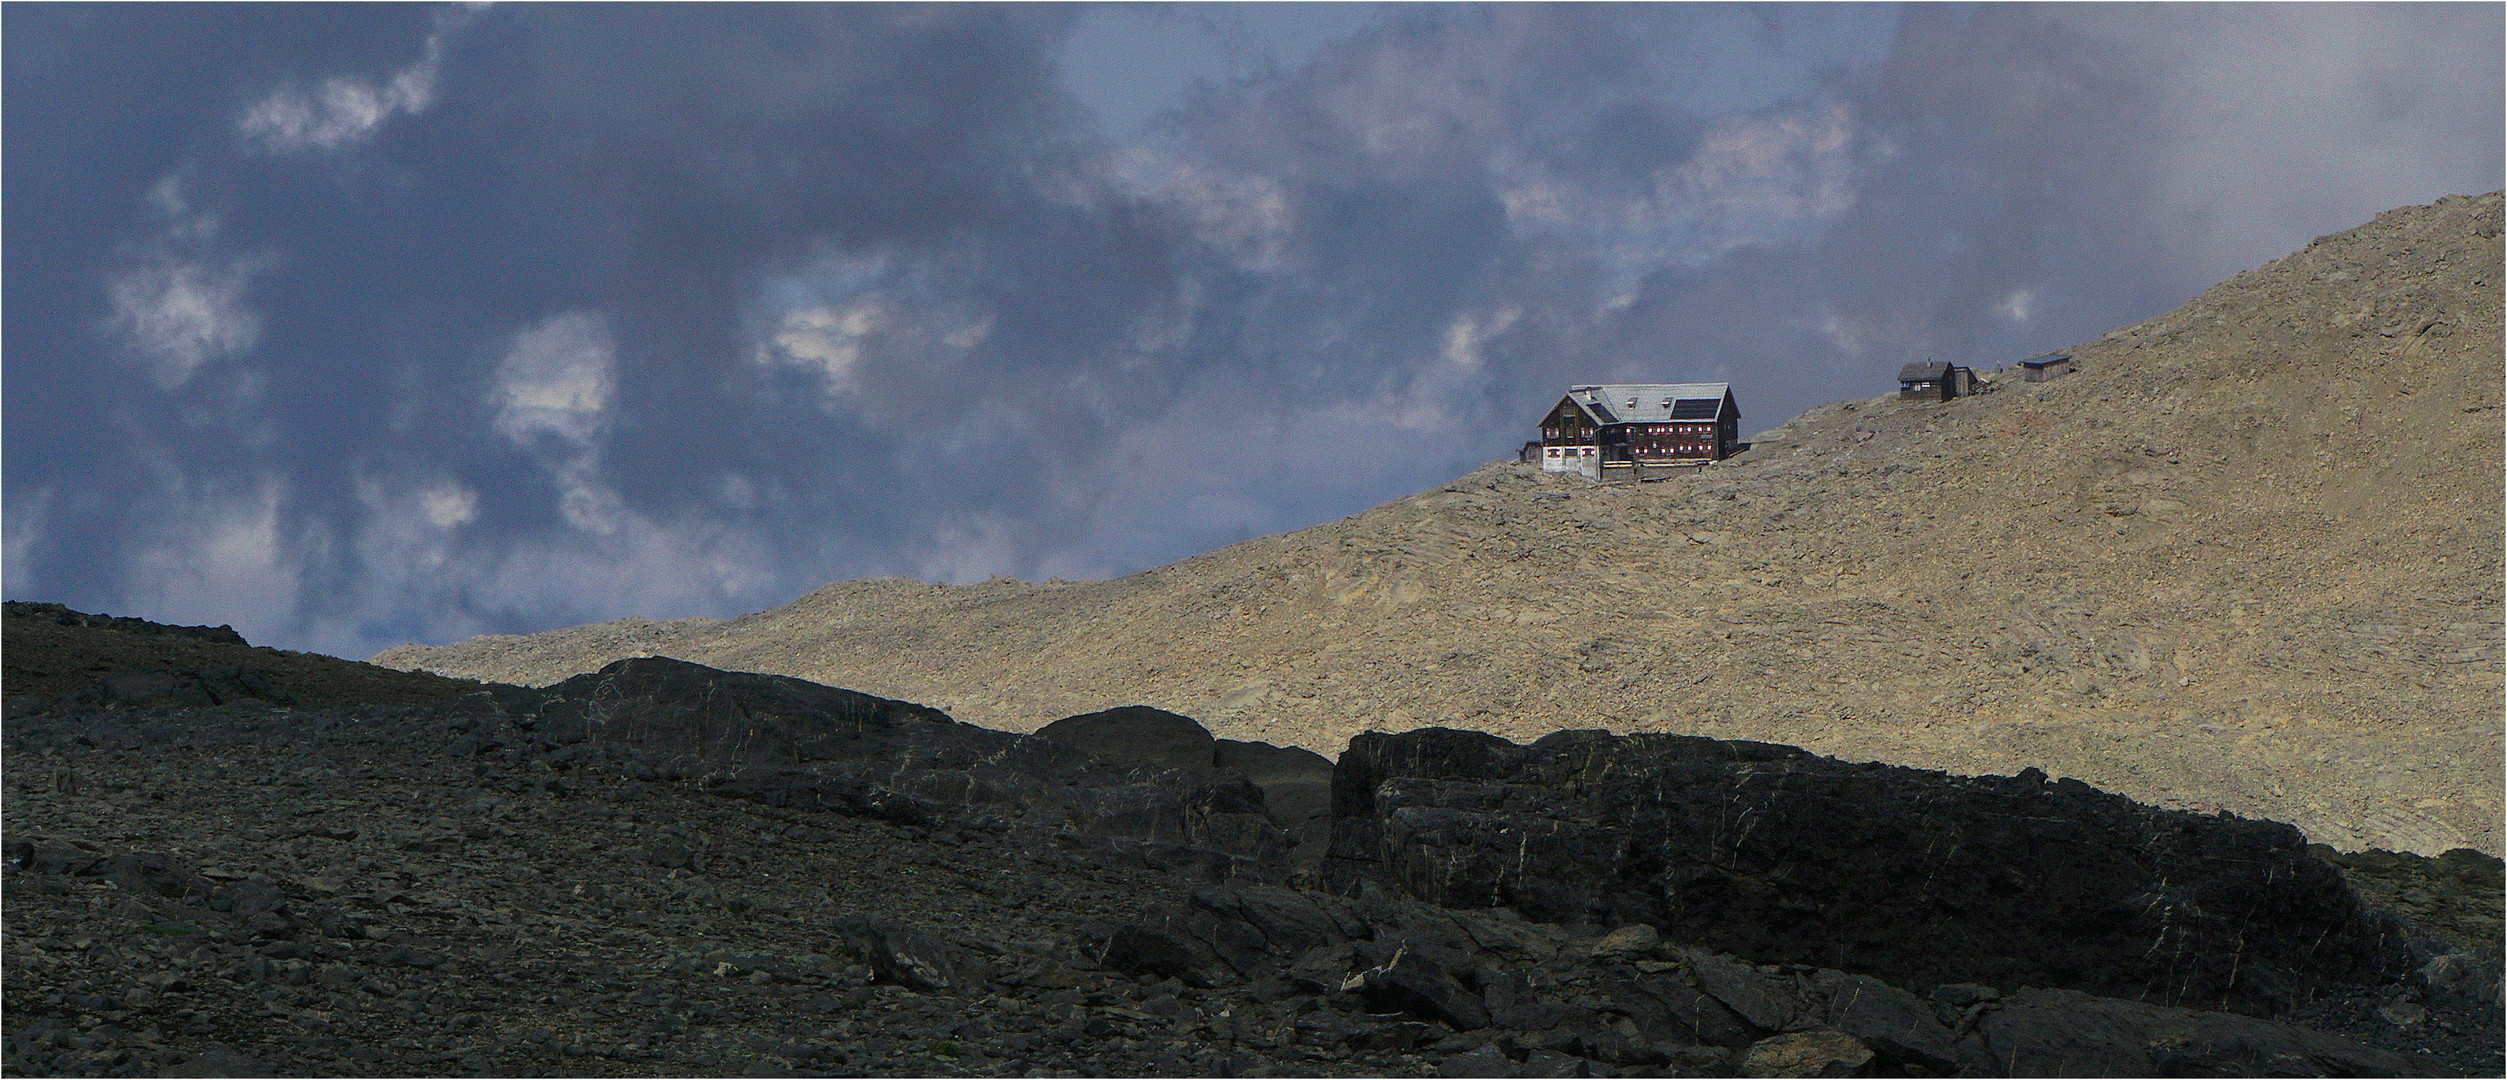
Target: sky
[358,325]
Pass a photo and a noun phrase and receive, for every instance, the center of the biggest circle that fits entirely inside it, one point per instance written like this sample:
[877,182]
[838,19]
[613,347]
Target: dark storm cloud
[2003,205]
[354,325]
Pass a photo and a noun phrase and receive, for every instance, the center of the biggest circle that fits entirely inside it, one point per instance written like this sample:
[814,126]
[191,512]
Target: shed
[2045,366]
[1934,380]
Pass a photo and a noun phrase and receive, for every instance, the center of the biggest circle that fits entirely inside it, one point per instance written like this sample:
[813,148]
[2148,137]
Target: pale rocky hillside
[2248,558]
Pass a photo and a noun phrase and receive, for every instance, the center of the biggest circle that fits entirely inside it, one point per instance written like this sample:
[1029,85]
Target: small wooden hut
[2045,366]
[1933,380]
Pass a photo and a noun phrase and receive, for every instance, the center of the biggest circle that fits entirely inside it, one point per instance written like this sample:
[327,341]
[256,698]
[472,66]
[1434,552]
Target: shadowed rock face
[1136,733]
[672,708]
[1916,876]
[1128,775]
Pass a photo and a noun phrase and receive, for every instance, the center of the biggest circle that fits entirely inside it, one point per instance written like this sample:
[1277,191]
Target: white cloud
[1465,335]
[408,529]
[1536,205]
[182,314]
[1408,104]
[829,339]
[421,574]
[178,303]
[657,569]
[2285,122]
[1247,219]
[222,558]
[419,570]
[1766,175]
[557,379]
[2017,305]
[1753,180]
[970,547]
[587,501]
[1894,336]
[553,394]
[343,110]
[447,504]
[22,531]
[875,334]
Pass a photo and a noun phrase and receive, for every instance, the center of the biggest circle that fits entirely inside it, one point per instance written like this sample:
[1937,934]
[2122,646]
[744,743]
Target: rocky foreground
[665,868]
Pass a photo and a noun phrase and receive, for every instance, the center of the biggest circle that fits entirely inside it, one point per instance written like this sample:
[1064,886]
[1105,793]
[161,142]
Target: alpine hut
[2044,366]
[1622,430]
[1934,380]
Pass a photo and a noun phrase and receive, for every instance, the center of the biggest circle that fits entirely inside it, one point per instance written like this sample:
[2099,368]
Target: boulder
[1807,1053]
[665,707]
[790,743]
[1765,1002]
[1155,950]
[908,957]
[1296,788]
[2037,1032]
[1627,943]
[1137,734]
[1418,982]
[148,688]
[1913,876]
[1895,1024]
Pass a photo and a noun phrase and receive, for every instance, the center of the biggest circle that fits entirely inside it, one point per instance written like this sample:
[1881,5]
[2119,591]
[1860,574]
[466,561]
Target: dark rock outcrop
[799,745]
[2069,1033]
[1914,876]
[209,685]
[1136,734]
[1386,966]
[1296,788]
[1296,782]
[58,615]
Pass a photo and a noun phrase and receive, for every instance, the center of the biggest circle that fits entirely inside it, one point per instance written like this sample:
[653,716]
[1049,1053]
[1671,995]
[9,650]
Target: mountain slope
[2248,558]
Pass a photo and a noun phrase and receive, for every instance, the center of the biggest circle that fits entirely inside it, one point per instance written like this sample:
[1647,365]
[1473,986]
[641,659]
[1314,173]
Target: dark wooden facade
[1933,380]
[1602,430]
[2045,366]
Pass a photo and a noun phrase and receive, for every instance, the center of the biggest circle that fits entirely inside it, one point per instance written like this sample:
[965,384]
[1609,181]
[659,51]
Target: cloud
[2273,114]
[181,314]
[179,302]
[972,547]
[222,556]
[554,394]
[828,340]
[1468,332]
[1245,219]
[410,531]
[1766,178]
[342,111]
[22,536]
[558,379]
[2017,304]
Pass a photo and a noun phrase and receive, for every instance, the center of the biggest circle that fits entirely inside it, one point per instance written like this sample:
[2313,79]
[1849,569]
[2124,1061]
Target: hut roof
[1927,371]
[1627,403]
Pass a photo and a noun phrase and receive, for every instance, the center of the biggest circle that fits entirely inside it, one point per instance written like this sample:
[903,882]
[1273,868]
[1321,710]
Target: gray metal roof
[1624,403]
[1927,371]
[2043,359]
